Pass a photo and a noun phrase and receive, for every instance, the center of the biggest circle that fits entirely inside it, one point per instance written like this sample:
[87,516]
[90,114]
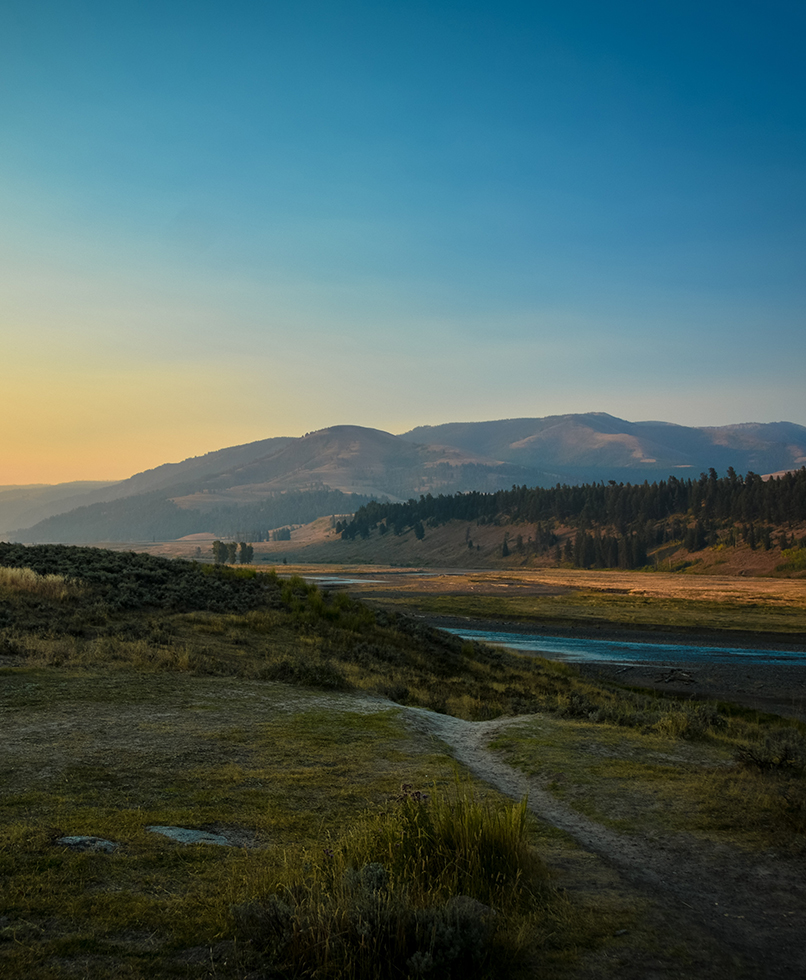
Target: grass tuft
[45,586]
[430,886]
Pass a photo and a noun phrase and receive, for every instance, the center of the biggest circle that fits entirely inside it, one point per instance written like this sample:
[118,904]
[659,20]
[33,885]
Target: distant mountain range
[266,481]
[597,446]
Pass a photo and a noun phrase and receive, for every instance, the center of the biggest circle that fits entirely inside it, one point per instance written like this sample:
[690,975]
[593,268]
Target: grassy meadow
[133,696]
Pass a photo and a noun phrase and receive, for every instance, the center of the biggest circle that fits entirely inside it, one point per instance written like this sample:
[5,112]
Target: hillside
[355,459]
[246,489]
[26,506]
[228,491]
[21,506]
[597,446]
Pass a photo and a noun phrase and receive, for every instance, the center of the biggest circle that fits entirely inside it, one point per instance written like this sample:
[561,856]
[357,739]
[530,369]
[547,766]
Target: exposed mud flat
[770,687]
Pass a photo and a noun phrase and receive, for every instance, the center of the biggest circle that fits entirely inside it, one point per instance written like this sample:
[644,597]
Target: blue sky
[222,222]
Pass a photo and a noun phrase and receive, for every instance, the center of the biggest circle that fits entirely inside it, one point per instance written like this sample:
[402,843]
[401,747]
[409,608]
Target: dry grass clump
[429,887]
[45,586]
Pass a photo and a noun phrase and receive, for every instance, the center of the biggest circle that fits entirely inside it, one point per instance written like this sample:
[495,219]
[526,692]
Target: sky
[221,222]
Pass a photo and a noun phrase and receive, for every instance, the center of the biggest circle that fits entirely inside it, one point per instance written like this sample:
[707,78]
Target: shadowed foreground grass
[108,755]
[431,886]
[306,785]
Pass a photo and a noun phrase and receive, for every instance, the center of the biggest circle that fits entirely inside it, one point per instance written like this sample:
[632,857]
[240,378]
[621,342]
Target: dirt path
[752,905]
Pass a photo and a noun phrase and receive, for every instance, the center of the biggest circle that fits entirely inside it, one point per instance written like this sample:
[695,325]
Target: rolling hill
[256,486]
[596,446]
[251,490]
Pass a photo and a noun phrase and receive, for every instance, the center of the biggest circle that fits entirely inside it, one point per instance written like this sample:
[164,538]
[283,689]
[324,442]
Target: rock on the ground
[84,843]
[185,836]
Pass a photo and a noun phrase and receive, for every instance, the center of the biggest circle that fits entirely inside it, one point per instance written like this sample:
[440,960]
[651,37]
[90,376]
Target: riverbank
[773,688]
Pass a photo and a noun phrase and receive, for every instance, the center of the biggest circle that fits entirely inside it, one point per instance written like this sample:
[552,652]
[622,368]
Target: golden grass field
[612,597]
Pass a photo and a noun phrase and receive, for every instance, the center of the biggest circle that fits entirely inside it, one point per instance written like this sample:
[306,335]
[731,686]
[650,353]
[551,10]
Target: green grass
[646,781]
[243,723]
[109,754]
[310,780]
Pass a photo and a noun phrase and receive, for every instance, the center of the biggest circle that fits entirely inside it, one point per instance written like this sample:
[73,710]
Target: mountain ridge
[457,456]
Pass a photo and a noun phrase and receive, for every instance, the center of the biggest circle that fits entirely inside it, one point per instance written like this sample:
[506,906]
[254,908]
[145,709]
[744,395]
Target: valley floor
[661,876]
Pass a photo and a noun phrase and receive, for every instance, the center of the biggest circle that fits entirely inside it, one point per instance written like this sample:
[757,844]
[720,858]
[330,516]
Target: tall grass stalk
[432,886]
[46,586]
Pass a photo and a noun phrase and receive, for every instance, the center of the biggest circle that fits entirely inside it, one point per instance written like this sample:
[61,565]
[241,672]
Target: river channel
[587,650]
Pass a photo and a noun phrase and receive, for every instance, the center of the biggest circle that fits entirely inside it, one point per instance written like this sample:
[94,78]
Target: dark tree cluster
[227,553]
[637,516]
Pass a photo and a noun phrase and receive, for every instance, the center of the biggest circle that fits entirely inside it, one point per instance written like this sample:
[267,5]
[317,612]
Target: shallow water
[579,650]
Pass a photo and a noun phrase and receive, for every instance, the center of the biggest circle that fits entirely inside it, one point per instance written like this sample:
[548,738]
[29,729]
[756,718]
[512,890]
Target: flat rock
[185,836]
[82,843]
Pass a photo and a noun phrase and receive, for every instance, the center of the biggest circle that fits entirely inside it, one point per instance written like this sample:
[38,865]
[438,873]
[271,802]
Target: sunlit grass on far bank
[630,611]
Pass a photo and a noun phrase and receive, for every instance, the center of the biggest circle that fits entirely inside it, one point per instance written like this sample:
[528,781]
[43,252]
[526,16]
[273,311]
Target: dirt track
[745,913]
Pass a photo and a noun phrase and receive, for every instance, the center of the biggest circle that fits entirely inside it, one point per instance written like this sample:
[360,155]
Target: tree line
[616,523]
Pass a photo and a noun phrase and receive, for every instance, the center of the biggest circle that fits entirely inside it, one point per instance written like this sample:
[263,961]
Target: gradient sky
[221,222]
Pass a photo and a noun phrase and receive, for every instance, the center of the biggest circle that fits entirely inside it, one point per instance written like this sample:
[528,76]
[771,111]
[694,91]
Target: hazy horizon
[223,224]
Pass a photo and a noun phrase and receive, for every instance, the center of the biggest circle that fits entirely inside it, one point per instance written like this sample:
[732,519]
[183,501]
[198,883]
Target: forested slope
[617,524]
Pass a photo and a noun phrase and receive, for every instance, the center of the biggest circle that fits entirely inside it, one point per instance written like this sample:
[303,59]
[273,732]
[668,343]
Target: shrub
[794,560]
[307,671]
[784,749]
[132,580]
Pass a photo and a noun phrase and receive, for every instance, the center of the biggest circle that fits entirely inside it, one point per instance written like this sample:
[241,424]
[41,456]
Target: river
[578,650]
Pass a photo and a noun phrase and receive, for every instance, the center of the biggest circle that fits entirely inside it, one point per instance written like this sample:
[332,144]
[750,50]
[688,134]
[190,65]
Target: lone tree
[246,553]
